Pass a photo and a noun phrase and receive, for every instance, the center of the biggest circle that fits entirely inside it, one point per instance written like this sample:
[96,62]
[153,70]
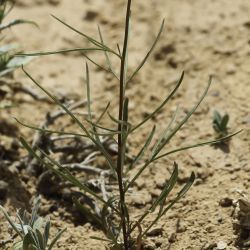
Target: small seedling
[220,124]
[33,231]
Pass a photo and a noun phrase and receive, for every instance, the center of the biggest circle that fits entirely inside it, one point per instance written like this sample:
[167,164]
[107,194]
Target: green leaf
[103,113]
[184,120]
[56,238]
[38,224]
[100,239]
[198,145]
[62,51]
[43,130]
[17,22]
[7,48]
[110,67]
[18,245]
[143,149]
[224,122]
[30,242]
[40,239]
[61,171]
[46,231]
[182,192]
[16,62]
[149,52]
[7,217]
[161,105]
[36,205]
[167,189]
[163,137]
[78,122]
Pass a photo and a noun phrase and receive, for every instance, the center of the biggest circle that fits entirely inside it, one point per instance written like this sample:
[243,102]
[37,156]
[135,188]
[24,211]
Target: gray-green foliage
[8,62]
[114,216]
[220,124]
[33,231]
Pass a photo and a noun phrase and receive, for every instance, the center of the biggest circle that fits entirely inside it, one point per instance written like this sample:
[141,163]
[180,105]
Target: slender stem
[121,145]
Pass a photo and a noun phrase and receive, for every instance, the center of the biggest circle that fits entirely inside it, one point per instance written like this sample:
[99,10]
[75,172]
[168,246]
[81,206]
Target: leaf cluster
[220,124]
[33,231]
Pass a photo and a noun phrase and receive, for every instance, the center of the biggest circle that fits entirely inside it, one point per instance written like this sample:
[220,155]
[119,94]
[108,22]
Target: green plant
[34,231]
[8,62]
[220,124]
[114,215]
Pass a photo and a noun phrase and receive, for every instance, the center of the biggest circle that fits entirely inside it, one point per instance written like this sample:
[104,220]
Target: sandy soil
[201,37]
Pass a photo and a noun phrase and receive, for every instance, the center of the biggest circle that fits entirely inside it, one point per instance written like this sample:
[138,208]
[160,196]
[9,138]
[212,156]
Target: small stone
[155,232]
[181,227]
[209,228]
[210,246]
[220,220]
[226,202]
[172,238]
[3,189]
[54,2]
[221,245]
[231,69]
[91,15]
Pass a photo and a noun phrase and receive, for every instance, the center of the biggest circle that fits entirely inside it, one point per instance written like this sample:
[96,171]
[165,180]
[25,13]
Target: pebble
[181,227]
[221,245]
[226,202]
[155,232]
[54,2]
[172,237]
[3,189]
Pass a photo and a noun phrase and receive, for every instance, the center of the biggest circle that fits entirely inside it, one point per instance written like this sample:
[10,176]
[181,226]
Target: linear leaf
[164,134]
[46,232]
[161,105]
[198,145]
[62,51]
[182,192]
[149,52]
[10,221]
[184,120]
[56,238]
[90,39]
[48,130]
[167,189]
[143,149]
[62,172]
[74,118]
[110,67]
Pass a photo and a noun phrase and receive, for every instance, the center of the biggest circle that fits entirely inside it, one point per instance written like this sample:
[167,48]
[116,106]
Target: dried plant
[111,211]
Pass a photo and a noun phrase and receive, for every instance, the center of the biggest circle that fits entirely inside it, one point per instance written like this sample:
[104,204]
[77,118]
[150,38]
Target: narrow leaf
[56,238]
[149,52]
[10,221]
[197,145]
[161,105]
[143,149]
[167,189]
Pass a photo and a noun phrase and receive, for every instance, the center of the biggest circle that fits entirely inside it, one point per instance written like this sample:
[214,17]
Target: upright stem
[120,159]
